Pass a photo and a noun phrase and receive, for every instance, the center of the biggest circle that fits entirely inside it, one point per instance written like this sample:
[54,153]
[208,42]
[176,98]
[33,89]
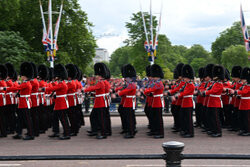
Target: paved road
[142,144]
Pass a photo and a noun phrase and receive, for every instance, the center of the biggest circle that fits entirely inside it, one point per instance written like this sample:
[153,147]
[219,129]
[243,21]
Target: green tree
[230,36]
[198,63]
[235,55]
[196,51]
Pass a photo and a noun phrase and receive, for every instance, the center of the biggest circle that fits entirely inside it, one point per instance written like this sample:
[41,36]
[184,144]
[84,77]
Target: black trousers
[214,119]
[123,117]
[73,119]
[43,118]
[35,119]
[81,115]
[146,110]
[245,120]
[108,120]
[62,116]
[205,118]
[10,117]
[24,118]
[187,120]
[198,113]
[157,121]
[228,115]
[178,116]
[2,121]
[98,120]
[130,120]
[235,118]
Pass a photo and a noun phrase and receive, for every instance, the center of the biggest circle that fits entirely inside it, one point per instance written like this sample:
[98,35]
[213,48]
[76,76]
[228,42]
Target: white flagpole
[151,29]
[51,30]
[57,28]
[144,25]
[159,28]
[43,20]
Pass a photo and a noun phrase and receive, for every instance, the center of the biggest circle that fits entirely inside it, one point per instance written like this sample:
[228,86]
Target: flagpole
[51,32]
[144,25]
[152,36]
[157,33]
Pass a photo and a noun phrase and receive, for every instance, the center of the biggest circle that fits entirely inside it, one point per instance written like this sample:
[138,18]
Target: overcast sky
[184,22]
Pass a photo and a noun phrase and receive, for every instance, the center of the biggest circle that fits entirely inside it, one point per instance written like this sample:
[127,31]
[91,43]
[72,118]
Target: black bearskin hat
[179,68]
[187,72]
[236,71]
[100,70]
[227,74]
[129,71]
[15,76]
[51,74]
[107,71]
[122,71]
[148,72]
[245,73]
[3,71]
[34,69]
[78,71]
[72,71]
[26,69]
[60,72]
[176,75]
[219,72]
[208,71]
[156,71]
[11,69]
[80,75]
[201,72]
[43,72]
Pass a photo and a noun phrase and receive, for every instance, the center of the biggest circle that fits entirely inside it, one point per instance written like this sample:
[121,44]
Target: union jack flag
[146,46]
[244,30]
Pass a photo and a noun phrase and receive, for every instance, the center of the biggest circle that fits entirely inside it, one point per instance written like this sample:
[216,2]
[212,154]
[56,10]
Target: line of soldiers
[39,99]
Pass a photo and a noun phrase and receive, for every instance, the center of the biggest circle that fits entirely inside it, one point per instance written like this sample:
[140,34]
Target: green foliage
[235,55]
[198,63]
[230,36]
[196,51]
[76,41]
[167,73]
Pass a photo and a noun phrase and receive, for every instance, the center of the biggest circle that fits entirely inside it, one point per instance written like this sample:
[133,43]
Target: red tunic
[237,100]
[245,98]
[42,84]
[48,99]
[123,97]
[71,93]
[9,94]
[175,90]
[99,90]
[130,95]
[34,93]
[224,96]
[201,88]
[205,101]
[214,93]
[187,96]
[107,91]
[25,91]
[2,93]
[157,90]
[61,103]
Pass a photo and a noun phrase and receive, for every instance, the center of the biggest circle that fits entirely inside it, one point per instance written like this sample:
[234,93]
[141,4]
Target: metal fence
[172,156]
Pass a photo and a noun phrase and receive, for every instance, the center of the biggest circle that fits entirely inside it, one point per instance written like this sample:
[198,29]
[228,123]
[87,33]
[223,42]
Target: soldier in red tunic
[129,104]
[3,76]
[215,105]
[61,102]
[72,111]
[35,101]
[98,116]
[157,129]
[24,104]
[10,101]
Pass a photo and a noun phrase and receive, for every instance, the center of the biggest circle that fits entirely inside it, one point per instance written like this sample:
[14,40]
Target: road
[116,144]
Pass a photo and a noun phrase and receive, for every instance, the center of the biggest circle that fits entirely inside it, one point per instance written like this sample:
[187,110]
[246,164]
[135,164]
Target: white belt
[37,98]
[71,94]
[47,99]
[11,98]
[160,95]
[188,96]
[61,95]
[4,99]
[103,95]
[215,95]
[223,94]
[66,100]
[245,98]
[10,93]
[35,94]
[27,100]
[74,96]
[24,95]
[133,98]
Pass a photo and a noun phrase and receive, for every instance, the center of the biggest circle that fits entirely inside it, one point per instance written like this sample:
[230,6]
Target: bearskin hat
[122,71]
[15,76]
[77,71]
[60,72]
[187,72]
[3,71]
[236,71]
[148,72]
[227,74]
[11,70]
[100,70]
[201,72]
[176,75]
[129,71]
[43,72]
[208,71]
[26,69]
[219,72]
[51,74]
[245,73]
[156,71]
[72,71]
[107,71]
[179,68]
[34,69]
[80,75]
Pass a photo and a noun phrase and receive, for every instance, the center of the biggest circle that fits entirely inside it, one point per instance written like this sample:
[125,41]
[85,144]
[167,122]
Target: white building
[101,55]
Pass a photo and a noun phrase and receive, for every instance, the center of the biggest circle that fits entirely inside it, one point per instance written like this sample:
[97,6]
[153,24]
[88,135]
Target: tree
[235,55]
[198,63]
[196,51]
[231,36]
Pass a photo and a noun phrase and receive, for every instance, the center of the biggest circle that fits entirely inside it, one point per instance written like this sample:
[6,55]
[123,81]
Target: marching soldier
[129,92]
[61,102]
[24,104]
[98,116]
[157,89]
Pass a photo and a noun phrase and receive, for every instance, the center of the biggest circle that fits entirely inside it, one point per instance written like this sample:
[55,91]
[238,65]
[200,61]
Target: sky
[184,22]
